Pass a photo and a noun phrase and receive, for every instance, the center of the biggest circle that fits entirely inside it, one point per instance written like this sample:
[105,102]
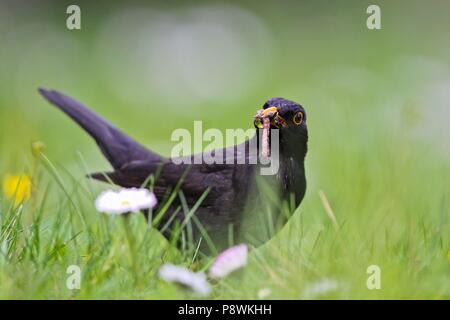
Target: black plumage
[237,199]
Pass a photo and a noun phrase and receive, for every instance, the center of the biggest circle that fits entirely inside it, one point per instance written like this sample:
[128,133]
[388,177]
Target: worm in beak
[264,118]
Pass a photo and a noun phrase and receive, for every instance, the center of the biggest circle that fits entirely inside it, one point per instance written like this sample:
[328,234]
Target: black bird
[231,200]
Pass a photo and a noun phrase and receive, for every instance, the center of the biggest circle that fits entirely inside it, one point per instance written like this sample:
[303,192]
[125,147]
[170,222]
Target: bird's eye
[298,118]
[258,123]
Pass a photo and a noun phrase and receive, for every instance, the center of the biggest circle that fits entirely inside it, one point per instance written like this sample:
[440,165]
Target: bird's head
[281,113]
[287,116]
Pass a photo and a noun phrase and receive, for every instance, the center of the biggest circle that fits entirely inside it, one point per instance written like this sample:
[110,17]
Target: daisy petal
[264,293]
[318,288]
[196,282]
[228,261]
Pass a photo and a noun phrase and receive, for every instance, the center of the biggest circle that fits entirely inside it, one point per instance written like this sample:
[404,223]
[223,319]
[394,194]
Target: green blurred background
[151,67]
[378,101]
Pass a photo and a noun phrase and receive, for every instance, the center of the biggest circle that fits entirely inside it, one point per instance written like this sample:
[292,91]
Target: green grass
[377,106]
[380,221]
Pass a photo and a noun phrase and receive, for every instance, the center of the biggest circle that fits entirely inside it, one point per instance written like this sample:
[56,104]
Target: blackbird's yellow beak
[272,114]
[269,112]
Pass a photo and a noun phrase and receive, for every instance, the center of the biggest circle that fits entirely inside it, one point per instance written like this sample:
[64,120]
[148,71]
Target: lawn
[378,165]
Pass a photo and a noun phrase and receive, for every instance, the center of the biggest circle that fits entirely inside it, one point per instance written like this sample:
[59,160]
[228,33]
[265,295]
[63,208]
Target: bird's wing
[118,148]
[133,163]
[195,179]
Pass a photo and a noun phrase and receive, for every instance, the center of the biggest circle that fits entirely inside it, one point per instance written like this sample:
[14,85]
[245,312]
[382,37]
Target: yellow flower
[17,188]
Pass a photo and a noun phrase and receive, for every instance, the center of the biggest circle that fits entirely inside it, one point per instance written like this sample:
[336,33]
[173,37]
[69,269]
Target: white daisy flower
[264,293]
[319,288]
[195,281]
[228,261]
[125,200]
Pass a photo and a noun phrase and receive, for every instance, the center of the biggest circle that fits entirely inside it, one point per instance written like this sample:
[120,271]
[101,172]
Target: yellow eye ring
[298,118]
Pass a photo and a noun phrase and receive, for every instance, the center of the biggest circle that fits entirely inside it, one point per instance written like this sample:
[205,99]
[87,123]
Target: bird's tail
[117,147]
